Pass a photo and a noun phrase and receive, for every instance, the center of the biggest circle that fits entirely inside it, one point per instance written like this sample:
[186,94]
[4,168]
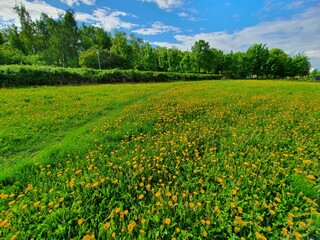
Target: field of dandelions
[184,160]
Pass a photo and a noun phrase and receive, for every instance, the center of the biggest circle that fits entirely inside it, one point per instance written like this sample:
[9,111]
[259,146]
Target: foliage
[215,160]
[60,42]
[19,75]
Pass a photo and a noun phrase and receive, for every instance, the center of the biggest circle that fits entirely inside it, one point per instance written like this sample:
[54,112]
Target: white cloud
[156,29]
[299,34]
[109,19]
[183,14]
[35,8]
[165,4]
[77,2]
[106,17]
[188,16]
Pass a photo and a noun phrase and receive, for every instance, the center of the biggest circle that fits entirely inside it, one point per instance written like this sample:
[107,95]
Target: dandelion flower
[167,221]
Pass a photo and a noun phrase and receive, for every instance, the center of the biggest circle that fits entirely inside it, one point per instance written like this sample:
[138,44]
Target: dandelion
[272,212]
[204,234]
[143,220]
[141,196]
[311,177]
[131,226]
[107,225]
[80,221]
[284,231]
[298,235]
[167,221]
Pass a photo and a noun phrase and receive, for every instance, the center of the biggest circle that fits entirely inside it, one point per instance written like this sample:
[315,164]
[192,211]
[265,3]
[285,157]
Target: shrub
[19,75]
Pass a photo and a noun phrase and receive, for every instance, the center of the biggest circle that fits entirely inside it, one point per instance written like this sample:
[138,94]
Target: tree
[217,60]
[2,41]
[201,54]
[162,56]
[68,40]
[257,56]
[300,65]
[89,59]
[186,63]
[148,59]
[174,57]
[277,63]
[121,48]
[136,45]
[26,34]
[92,35]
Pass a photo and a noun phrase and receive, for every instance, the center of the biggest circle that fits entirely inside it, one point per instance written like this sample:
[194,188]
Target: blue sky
[292,25]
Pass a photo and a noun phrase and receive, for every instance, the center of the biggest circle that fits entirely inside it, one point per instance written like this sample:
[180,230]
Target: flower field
[196,160]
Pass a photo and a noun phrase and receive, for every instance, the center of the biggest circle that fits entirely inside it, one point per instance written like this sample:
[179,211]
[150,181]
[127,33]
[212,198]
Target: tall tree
[217,60]
[201,54]
[162,56]
[277,63]
[93,35]
[121,48]
[300,65]
[257,56]
[69,37]
[148,60]
[26,34]
[186,63]
[174,56]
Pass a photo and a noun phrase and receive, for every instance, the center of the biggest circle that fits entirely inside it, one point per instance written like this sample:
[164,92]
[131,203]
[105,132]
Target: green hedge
[19,75]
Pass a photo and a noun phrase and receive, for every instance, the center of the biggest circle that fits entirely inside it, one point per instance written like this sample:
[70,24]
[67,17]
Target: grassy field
[212,159]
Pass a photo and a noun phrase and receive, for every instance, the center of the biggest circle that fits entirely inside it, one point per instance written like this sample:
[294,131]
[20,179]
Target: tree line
[63,42]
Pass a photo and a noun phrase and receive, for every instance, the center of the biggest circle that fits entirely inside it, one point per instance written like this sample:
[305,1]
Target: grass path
[41,133]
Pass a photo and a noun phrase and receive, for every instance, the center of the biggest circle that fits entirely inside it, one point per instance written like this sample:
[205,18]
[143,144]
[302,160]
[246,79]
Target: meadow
[183,160]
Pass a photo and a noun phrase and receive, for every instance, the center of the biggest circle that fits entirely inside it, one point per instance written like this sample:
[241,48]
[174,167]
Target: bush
[19,75]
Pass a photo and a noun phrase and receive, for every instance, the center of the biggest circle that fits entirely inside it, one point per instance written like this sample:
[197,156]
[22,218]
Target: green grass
[216,160]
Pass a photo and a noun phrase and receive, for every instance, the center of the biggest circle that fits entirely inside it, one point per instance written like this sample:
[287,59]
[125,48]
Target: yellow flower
[302,224]
[143,220]
[80,221]
[131,226]
[204,234]
[87,237]
[284,231]
[141,196]
[278,199]
[174,198]
[107,225]
[272,212]
[208,222]
[118,210]
[298,235]
[191,205]
[311,177]
[167,221]
[290,223]
[178,230]
[170,203]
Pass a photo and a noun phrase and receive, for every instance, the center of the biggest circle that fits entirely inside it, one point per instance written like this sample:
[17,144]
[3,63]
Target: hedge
[20,75]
